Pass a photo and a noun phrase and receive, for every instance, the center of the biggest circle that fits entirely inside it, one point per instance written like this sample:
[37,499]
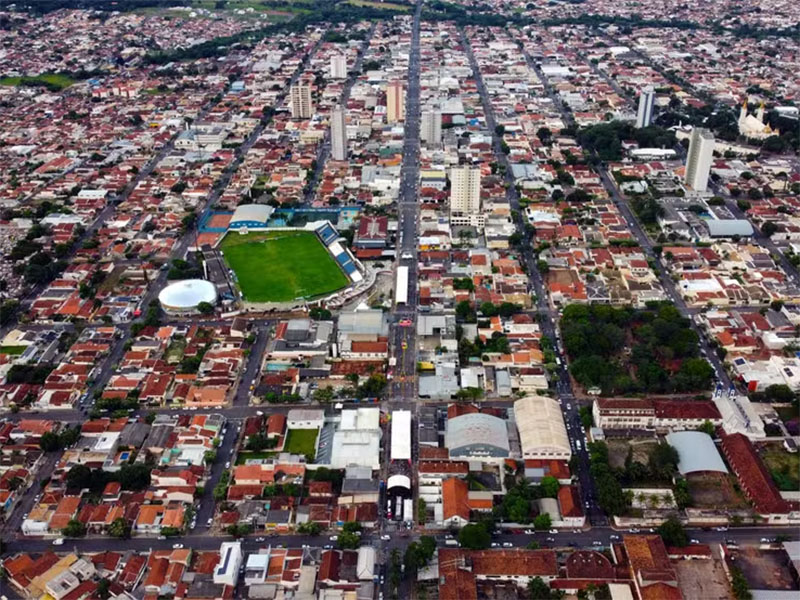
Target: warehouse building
[542,432]
[477,436]
[251,216]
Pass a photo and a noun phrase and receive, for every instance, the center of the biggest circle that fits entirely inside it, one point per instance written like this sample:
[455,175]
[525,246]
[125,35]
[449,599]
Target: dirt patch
[714,490]
[764,569]
[618,451]
[702,579]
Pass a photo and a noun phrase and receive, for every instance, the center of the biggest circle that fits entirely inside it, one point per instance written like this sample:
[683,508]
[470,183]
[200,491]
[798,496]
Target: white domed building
[182,297]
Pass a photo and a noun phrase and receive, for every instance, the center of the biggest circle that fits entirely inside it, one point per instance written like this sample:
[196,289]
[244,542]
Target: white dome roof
[187,294]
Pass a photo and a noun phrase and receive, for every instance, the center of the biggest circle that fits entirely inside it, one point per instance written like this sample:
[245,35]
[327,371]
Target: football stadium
[283,264]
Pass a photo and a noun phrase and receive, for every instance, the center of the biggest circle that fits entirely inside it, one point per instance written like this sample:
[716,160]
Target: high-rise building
[465,190]
[300,100]
[699,159]
[430,130]
[644,116]
[338,134]
[338,67]
[395,102]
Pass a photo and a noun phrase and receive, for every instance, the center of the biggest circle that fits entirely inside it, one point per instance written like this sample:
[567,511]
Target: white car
[386,537]
[58,542]
[333,538]
[177,546]
[495,545]
[553,531]
[529,532]
[508,545]
[228,465]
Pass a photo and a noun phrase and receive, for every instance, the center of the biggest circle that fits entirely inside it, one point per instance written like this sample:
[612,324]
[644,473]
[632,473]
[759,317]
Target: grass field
[280,266]
[380,5]
[301,441]
[12,350]
[784,467]
[51,80]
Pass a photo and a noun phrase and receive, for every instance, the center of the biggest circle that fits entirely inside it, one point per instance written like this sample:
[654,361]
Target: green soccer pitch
[281,265]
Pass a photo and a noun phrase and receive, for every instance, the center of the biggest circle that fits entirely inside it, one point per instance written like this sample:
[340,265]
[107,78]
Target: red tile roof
[753,476]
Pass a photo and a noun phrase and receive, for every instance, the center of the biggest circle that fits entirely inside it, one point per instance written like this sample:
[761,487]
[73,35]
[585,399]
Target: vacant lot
[703,579]
[243,457]
[281,266]
[764,569]
[301,441]
[714,490]
[618,451]
[784,467]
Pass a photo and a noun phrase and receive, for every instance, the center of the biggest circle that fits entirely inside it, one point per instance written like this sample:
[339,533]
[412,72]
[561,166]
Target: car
[228,465]
[210,520]
[551,539]
[694,541]
[162,537]
[508,545]
[613,537]
[766,541]
[529,532]
[597,543]
[386,537]
[405,323]
[259,413]
[333,538]
[553,531]
[634,530]
[193,525]
[720,529]
[58,542]
[177,546]
[448,537]
[495,545]
[327,546]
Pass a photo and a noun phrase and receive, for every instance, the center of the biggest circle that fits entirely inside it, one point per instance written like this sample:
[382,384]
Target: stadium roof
[476,428]
[259,213]
[696,452]
[541,427]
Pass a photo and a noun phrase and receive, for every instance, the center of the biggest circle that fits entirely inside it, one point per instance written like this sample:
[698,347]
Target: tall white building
[338,134]
[395,102]
[338,67]
[699,159]
[644,115]
[230,559]
[465,190]
[430,130]
[300,100]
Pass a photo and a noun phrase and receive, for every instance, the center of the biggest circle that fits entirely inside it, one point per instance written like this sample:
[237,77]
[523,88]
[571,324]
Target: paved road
[545,313]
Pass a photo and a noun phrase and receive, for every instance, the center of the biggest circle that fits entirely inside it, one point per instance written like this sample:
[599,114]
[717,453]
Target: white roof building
[542,432]
[696,452]
[401,435]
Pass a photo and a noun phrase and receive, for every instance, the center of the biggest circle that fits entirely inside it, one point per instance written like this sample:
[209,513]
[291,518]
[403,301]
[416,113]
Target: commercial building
[401,435]
[477,435]
[357,439]
[644,115]
[395,102]
[667,415]
[300,102]
[542,433]
[338,67]
[465,191]
[699,159]
[230,559]
[338,134]
[430,130]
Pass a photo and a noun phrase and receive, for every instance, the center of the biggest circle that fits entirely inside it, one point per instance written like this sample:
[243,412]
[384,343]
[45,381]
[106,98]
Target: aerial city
[414,299]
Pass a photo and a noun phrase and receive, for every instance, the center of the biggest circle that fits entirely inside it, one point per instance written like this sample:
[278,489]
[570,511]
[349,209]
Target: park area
[281,266]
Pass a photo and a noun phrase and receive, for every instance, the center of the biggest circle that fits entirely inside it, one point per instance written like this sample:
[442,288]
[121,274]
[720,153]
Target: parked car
[508,545]
[333,538]
[177,546]
[58,542]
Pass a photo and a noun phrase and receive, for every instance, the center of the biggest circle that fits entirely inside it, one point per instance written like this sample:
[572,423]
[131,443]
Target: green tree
[741,588]
[49,442]
[205,308]
[673,533]
[542,521]
[474,536]
[74,529]
[549,486]
[119,528]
